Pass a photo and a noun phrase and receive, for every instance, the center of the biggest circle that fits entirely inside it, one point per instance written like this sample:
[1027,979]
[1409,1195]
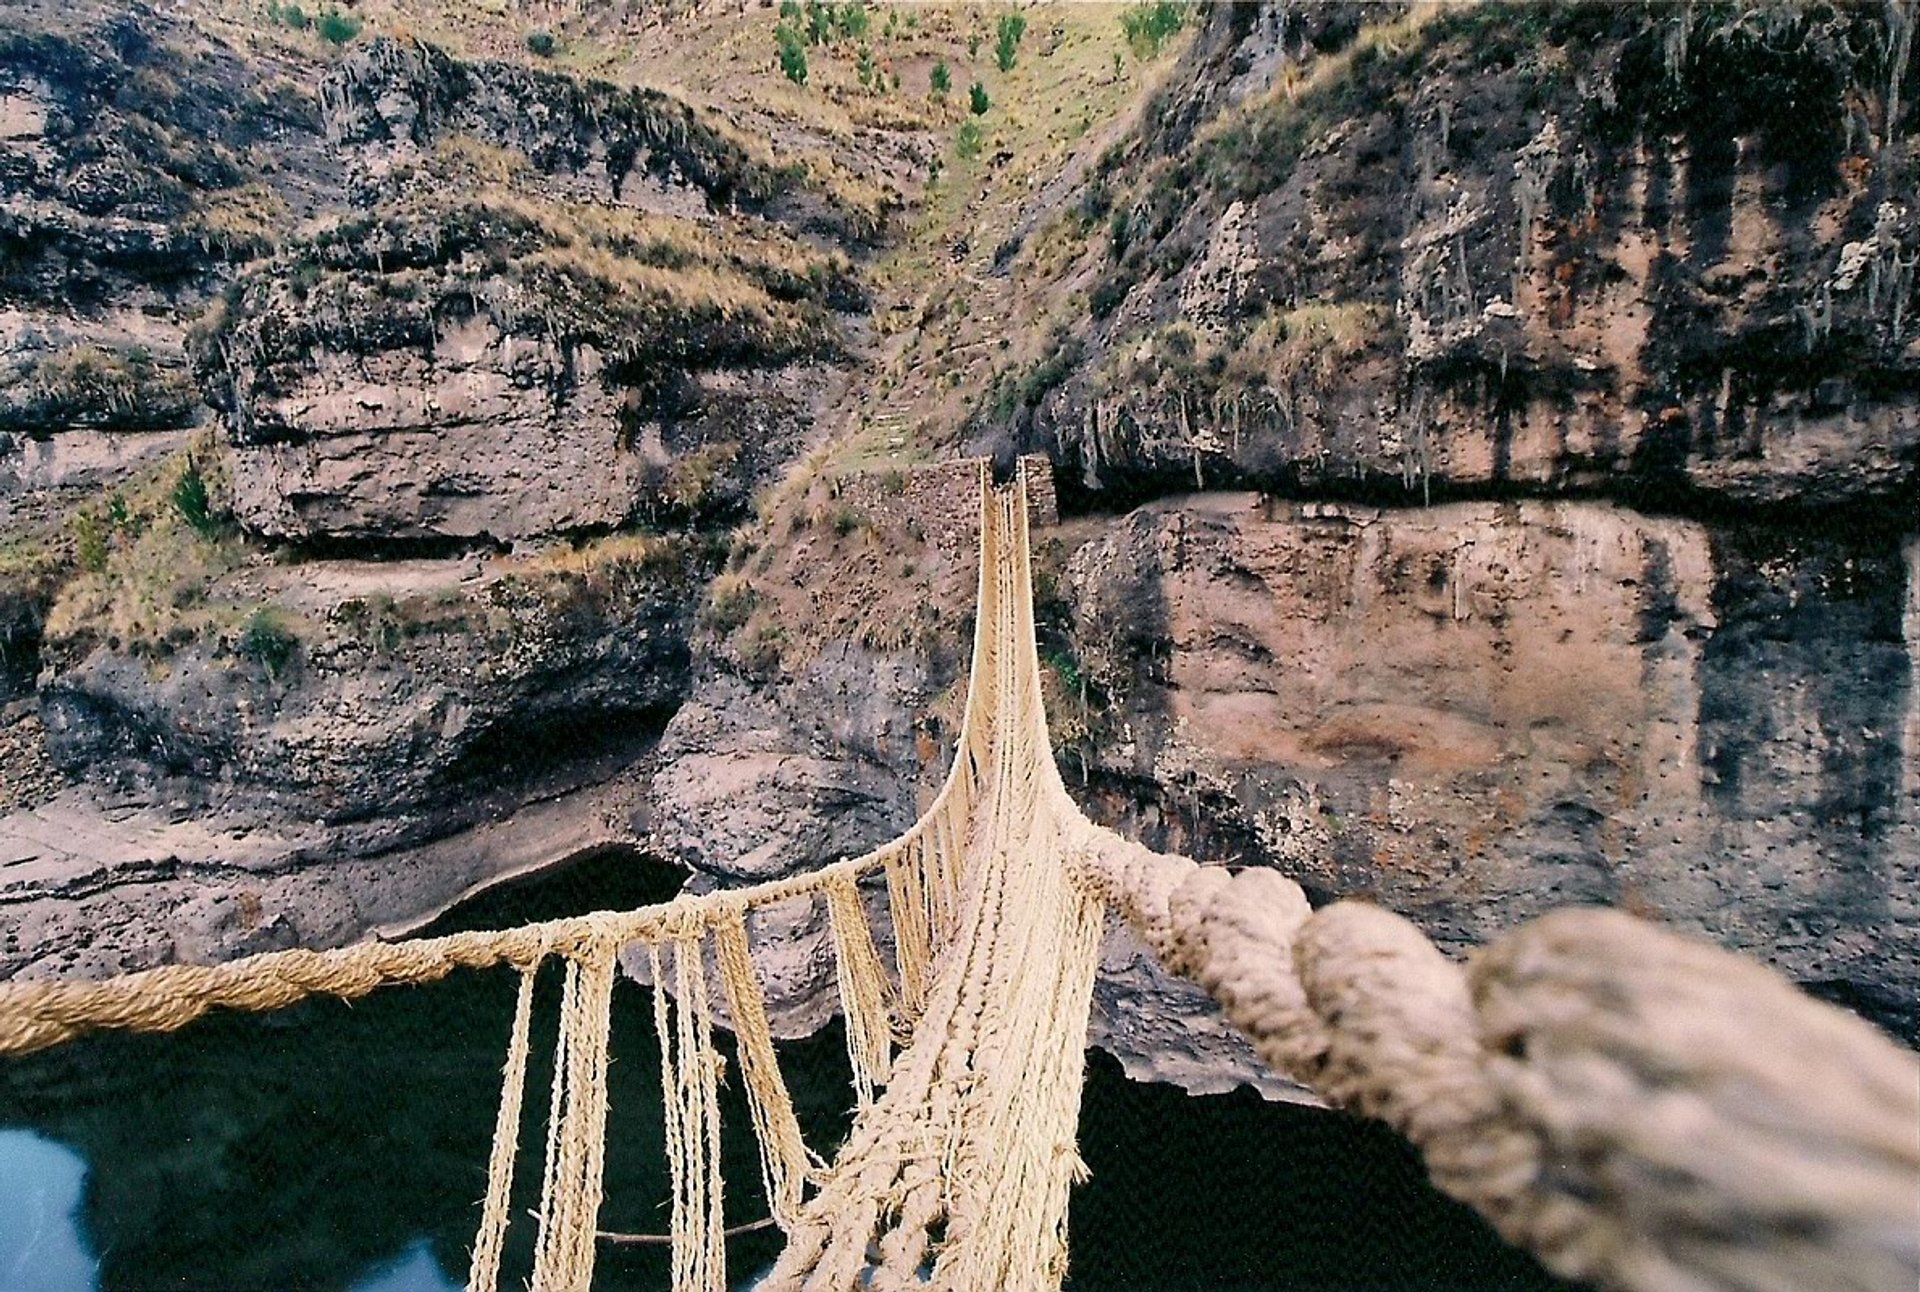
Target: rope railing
[1640,1109]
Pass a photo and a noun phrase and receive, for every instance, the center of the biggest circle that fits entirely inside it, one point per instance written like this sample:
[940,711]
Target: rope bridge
[1642,1110]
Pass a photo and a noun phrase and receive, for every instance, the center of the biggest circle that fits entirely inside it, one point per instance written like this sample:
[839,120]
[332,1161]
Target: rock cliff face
[370,423]
[1657,253]
[548,294]
[1481,711]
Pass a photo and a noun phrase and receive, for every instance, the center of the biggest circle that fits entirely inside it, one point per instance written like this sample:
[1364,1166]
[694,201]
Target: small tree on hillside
[793,53]
[942,78]
[969,141]
[977,99]
[1012,27]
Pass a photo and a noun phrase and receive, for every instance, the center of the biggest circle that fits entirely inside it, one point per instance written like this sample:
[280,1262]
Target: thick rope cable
[484,1271]
[703,1226]
[564,1250]
[1642,1110]
[912,941]
[680,1207]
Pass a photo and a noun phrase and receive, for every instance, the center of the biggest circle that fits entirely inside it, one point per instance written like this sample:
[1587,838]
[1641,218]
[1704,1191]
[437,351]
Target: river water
[344,1147]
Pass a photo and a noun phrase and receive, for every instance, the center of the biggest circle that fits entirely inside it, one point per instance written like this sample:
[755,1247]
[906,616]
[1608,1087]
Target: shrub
[268,641]
[790,10]
[853,20]
[760,653]
[542,43]
[337,28]
[1007,47]
[977,99]
[843,520]
[868,69]
[191,499]
[1150,26]
[793,54]
[731,604]
[289,15]
[1063,663]
[942,78]
[89,541]
[969,142]
[1107,296]
[820,22]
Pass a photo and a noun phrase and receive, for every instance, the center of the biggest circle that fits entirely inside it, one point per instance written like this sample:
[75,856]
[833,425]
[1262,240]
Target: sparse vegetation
[942,81]
[268,641]
[1312,339]
[852,19]
[690,484]
[542,43]
[729,605]
[969,141]
[288,15]
[145,567]
[1149,26]
[89,385]
[192,500]
[793,53]
[843,519]
[760,652]
[242,222]
[977,101]
[336,28]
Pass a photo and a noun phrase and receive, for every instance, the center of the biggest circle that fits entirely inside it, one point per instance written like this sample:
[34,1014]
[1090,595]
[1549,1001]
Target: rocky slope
[371,419]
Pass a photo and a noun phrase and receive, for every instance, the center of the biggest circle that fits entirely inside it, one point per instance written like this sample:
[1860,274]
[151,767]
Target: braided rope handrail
[1640,1109]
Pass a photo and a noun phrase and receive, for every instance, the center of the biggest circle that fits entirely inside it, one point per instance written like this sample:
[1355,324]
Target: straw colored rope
[864,992]
[784,1161]
[484,1273]
[564,1250]
[907,899]
[1640,1109]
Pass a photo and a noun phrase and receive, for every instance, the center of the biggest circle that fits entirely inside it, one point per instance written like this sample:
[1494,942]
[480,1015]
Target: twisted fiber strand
[703,1094]
[484,1271]
[906,899]
[556,1104]
[784,1160]
[564,1252]
[864,991]
[679,1170]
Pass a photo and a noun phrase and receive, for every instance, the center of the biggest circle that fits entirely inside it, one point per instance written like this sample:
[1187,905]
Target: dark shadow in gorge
[1232,1191]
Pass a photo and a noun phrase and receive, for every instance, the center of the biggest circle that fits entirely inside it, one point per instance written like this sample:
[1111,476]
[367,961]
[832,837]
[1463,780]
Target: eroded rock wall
[1482,711]
[1661,254]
